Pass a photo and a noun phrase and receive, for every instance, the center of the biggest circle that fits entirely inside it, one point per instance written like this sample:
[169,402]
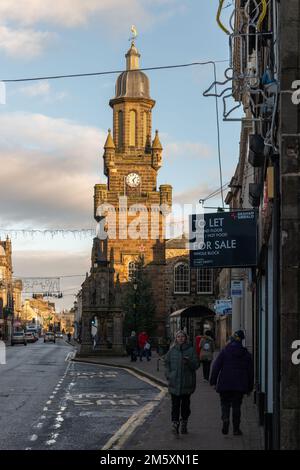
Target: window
[120,129]
[131,270]
[204,281]
[144,128]
[132,128]
[181,279]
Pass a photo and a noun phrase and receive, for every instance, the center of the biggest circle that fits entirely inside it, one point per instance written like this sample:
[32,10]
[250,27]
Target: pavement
[205,420]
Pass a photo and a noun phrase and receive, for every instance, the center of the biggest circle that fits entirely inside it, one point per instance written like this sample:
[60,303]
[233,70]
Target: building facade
[10,291]
[264,53]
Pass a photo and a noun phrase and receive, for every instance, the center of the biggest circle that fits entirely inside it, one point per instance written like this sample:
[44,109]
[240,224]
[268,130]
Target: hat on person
[180,332]
[239,334]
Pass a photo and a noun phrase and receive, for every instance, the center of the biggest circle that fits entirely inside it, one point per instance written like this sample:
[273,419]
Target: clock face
[133,180]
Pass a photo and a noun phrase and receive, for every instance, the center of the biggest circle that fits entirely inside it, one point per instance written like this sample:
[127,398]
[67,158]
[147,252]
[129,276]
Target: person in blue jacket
[181,362]
[233,375]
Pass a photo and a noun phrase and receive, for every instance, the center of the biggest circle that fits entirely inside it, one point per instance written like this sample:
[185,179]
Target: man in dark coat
[232,373]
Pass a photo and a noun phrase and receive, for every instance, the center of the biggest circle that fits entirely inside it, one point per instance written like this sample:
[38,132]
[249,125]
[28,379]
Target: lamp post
[135,286]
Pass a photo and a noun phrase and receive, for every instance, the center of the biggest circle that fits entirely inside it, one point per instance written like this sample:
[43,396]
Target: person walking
[207,347]
[181,362]
[233,375]
[132,346]
[143,338]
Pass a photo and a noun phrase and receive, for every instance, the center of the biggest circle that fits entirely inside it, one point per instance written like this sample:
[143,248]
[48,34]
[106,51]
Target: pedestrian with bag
[143,338]
[181,363]
[207,347]
[233,375]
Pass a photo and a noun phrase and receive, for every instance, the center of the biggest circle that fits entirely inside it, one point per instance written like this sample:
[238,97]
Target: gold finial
[134,34]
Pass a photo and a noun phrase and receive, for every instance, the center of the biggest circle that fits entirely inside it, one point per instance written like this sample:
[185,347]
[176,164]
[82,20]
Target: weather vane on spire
[134,33]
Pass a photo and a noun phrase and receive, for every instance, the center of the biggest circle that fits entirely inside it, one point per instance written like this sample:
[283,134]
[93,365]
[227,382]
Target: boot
[175,428]
[225,427]
[237,432]
[183,429]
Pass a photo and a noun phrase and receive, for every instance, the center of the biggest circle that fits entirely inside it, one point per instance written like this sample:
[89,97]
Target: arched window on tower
[132,267]
[181,278]
[145,118]
[132,129]
[120,129]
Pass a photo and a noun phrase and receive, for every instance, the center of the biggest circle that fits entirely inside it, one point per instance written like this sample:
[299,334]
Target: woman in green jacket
[181,363]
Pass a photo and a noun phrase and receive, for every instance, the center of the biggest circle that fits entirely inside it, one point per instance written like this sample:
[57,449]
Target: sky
[53,131]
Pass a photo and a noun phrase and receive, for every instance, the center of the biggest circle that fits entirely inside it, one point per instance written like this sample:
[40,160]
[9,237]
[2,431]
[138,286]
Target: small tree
[138,304]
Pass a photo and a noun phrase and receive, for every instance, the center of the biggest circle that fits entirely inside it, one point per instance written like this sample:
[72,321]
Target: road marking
[38,425]
[117,441]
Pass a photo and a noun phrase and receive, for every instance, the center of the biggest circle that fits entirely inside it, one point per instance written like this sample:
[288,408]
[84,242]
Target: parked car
[58,334]
[34,332]
[30,337]
[18,337]
[49,336]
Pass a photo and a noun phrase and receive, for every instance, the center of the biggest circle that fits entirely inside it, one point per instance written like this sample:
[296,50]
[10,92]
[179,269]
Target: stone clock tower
[131,163]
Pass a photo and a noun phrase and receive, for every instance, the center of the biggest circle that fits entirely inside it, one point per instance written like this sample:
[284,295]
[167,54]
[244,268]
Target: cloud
[48,171]
[72,13]
[192,195]
[23,43]
[113,18]
[187,150]
[39,90]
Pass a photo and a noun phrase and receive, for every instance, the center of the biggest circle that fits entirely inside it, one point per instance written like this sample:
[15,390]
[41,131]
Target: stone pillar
[86,346]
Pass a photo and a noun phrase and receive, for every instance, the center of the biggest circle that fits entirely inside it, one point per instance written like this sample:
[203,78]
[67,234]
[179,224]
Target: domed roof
[132,83]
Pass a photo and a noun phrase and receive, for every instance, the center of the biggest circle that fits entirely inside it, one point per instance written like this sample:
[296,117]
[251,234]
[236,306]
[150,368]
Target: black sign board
[223,239]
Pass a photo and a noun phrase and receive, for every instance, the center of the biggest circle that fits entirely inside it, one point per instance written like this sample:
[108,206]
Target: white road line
[137,419]
[38,425]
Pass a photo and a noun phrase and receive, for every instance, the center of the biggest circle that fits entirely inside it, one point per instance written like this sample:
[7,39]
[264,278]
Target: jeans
[180,406]
[206,369]
[234,400]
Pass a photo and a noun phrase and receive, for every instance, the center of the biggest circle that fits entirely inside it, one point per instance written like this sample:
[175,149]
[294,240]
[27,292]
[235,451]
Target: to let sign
[223,240]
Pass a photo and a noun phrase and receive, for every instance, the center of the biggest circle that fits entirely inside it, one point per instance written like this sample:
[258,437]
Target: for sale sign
[223,240]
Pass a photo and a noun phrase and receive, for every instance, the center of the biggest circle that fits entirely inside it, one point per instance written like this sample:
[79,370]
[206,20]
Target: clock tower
[131,163]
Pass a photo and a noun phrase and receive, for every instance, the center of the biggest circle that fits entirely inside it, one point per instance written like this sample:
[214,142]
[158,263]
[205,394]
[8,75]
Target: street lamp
[135,286]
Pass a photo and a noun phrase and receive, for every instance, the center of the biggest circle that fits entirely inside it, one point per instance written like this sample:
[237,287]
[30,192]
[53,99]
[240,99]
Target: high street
[46,400]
